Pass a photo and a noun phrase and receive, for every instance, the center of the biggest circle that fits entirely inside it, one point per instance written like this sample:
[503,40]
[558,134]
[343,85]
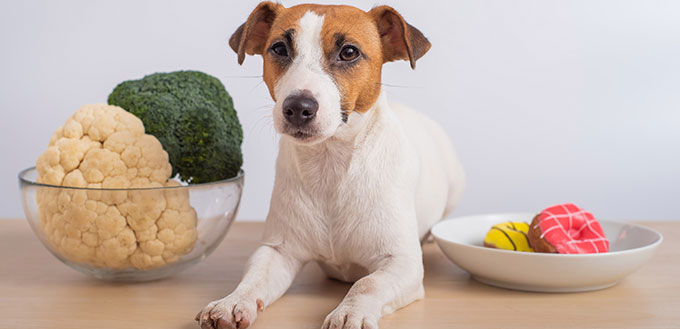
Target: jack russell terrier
[359,182]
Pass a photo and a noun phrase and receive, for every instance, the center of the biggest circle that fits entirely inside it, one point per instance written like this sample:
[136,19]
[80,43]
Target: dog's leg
[268,275]
[396,282]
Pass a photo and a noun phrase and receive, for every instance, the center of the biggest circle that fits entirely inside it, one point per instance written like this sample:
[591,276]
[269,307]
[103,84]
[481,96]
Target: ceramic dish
[461,239]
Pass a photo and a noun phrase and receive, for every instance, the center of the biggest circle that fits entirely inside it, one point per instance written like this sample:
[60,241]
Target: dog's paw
[231,312]
[348,317]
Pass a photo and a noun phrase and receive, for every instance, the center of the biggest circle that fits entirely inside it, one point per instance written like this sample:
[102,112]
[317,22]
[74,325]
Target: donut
[567,229]
[508,236]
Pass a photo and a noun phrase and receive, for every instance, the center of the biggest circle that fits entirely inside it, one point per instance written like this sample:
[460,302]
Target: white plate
[461,239]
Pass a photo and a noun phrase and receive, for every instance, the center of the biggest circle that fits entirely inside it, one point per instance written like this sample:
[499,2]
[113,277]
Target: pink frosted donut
[567,229]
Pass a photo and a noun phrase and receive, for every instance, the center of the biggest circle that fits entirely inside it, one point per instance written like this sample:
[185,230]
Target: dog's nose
[300,109]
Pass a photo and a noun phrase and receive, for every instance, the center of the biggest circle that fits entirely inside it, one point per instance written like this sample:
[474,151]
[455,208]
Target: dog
[359,182]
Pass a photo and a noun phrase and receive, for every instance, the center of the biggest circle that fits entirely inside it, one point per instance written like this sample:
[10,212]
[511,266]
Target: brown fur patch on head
[358,80]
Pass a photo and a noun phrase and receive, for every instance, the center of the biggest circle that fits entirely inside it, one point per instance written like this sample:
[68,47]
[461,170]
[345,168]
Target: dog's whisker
[242,77]
[263,123]
[397,86]
[256,86]
[264,120]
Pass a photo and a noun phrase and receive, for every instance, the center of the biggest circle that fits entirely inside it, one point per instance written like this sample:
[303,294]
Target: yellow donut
[508,236]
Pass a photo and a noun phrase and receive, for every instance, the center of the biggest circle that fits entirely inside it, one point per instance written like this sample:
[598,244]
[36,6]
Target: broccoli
[193,117]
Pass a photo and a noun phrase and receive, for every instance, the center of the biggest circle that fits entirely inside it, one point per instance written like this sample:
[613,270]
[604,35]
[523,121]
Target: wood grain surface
[37,291]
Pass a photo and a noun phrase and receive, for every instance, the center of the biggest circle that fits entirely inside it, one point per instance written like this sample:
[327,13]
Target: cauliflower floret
[174,233]
[103,146]
[49,168]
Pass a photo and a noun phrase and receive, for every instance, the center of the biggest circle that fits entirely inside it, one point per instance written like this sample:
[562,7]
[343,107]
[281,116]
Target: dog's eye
[349,53]
[280,49]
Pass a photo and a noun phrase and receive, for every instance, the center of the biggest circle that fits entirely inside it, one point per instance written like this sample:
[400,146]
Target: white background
[547,101]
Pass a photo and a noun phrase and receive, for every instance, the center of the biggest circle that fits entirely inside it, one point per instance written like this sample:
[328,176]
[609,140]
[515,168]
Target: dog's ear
[400,40]
[250,37]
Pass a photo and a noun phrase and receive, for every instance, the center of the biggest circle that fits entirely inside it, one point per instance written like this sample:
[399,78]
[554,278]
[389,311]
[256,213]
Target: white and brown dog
[359,182]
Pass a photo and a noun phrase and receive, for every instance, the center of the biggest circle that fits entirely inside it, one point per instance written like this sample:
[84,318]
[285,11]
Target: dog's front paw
[350,317]
[231,312]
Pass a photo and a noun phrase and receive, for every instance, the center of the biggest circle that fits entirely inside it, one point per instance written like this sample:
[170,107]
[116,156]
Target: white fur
[357,202]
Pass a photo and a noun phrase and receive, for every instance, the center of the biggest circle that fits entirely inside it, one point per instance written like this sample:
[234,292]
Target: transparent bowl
[80,227]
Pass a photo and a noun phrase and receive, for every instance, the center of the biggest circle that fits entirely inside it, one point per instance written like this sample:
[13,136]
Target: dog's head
[321,63]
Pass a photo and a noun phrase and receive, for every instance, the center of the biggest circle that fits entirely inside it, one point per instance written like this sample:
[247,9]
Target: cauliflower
[104,146]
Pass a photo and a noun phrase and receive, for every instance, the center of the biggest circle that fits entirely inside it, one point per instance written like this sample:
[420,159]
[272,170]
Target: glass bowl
[135,234]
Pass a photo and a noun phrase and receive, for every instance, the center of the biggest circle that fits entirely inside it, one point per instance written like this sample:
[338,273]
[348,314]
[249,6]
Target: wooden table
[37,291]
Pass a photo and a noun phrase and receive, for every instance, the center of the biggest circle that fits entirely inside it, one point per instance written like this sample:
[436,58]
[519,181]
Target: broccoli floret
[193,117]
